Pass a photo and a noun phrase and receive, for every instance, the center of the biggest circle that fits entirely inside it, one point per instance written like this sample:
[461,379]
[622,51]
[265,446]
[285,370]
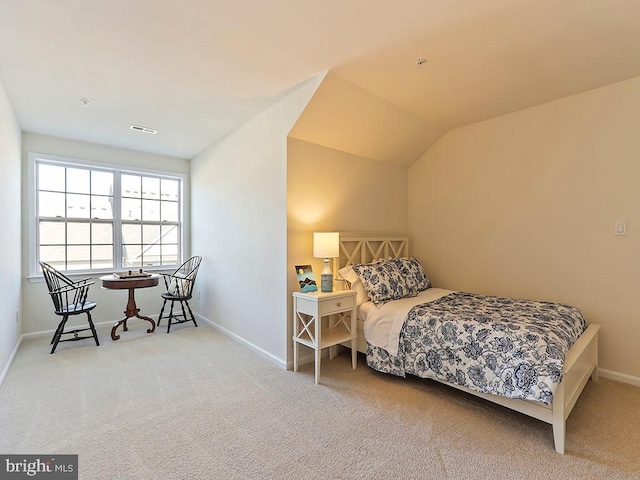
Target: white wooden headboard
[369,247]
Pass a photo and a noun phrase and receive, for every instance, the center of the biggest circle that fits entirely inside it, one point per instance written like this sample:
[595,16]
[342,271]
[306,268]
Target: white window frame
[33,157]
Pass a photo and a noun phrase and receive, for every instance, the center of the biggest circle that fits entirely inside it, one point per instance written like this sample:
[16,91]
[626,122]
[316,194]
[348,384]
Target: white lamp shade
[326,244]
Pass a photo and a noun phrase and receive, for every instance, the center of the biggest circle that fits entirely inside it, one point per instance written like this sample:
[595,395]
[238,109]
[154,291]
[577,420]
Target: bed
[398,335]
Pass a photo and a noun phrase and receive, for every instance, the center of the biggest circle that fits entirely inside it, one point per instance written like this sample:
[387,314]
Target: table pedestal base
[131,311]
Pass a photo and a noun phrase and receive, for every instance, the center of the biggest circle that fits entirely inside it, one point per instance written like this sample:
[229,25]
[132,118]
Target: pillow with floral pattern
[355,284]
[383,282]
[413,273]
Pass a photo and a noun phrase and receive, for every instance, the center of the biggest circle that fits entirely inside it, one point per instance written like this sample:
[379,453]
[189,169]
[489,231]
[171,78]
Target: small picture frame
[306,279]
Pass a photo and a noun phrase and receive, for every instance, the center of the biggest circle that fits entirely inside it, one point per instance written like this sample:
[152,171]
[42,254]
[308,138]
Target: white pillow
[354,280]
[179,286]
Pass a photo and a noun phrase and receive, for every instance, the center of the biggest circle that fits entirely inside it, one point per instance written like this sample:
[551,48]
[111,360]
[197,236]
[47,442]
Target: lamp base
[326,277]
[326,282]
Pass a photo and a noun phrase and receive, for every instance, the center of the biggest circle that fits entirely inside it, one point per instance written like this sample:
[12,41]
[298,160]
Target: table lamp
[326,245]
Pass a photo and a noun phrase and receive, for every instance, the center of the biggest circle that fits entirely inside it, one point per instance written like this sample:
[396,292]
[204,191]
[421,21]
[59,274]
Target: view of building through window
[91,219]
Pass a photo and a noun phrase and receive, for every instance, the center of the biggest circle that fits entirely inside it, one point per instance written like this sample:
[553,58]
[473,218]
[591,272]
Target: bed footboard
[580,363]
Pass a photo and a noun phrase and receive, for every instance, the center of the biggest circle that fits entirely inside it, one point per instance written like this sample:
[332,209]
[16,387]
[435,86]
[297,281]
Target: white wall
[38,313]
[524,205]
[239,226]
[10,245]
[331,190]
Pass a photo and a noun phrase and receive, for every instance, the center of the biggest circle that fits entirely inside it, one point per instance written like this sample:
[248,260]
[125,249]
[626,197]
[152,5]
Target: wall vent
[138,128]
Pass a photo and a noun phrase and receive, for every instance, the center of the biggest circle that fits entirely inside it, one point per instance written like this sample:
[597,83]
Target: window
[99,218]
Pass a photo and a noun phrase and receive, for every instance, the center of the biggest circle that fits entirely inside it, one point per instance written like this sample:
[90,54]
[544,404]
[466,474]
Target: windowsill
[97,274]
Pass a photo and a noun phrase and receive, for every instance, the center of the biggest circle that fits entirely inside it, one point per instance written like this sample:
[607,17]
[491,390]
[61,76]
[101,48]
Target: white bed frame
[581,361]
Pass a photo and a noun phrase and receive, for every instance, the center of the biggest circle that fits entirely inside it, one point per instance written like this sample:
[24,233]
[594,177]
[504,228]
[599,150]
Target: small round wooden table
[112,282]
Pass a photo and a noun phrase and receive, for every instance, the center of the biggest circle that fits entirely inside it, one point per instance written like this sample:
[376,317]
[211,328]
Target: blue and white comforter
[503,346]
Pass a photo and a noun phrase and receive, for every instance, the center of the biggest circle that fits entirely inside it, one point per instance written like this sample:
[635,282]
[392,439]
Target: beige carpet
[196,405]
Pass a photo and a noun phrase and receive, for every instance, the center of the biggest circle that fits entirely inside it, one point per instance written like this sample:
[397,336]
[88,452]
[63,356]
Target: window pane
[52,233]
[83,201]
[78,206]
[169,254]
[78,257]
[170,189]
[78,180]
[169,234]
[151,234]
[151,254]
[102,233]
[102,256]
[50,177]
[51,204]
[101,207]
[101,183]
[131,234]
[131,186]
[131,209]
[78,233]
[169,212]
[151,188]
[54,256]
[131,256]
[150,210]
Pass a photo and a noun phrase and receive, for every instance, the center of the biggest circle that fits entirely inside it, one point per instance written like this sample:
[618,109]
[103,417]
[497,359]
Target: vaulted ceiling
[196,70]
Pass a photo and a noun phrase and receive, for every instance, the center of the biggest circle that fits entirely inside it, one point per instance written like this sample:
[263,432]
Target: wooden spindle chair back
[185,275]
[69,298]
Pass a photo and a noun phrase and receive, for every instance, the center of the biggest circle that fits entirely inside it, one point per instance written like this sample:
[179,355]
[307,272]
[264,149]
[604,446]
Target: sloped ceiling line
[345,117]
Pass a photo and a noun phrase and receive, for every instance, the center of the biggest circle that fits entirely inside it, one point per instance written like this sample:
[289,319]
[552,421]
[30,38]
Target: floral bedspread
[503,346]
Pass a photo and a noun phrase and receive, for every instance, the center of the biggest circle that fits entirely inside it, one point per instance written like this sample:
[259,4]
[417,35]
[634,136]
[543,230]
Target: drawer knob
[339,304]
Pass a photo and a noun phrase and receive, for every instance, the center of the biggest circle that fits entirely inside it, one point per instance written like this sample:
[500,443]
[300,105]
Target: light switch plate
[620,227]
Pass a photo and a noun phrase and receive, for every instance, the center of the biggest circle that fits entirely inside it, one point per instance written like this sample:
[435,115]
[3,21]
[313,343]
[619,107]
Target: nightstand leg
[318,355]
[295,356]
[354,353]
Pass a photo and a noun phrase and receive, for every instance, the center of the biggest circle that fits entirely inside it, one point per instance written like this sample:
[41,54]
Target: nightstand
[308,310]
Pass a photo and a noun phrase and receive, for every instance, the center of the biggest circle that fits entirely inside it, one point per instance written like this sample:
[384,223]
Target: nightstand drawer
[307,306]
[329,306]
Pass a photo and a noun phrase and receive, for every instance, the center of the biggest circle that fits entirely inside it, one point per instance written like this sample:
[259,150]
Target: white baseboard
[263,353]
[48,333]
[5,371]
[303,360]
[619,377]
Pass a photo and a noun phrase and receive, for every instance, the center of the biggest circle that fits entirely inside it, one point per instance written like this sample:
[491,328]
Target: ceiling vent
[138,128]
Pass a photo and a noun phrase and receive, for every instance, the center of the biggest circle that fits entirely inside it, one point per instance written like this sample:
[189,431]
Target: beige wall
[10,245]
[38,311]
[330,190]
[345,117]
[239,198]
[524,205]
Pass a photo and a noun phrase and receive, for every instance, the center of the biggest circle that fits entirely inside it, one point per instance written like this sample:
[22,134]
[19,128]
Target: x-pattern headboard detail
[369,247]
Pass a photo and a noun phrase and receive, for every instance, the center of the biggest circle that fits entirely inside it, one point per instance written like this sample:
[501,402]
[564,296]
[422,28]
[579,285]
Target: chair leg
[170,317]
[161,311]
[58,329]
[58,334]
[93,329]
[193,318]
[184,314]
